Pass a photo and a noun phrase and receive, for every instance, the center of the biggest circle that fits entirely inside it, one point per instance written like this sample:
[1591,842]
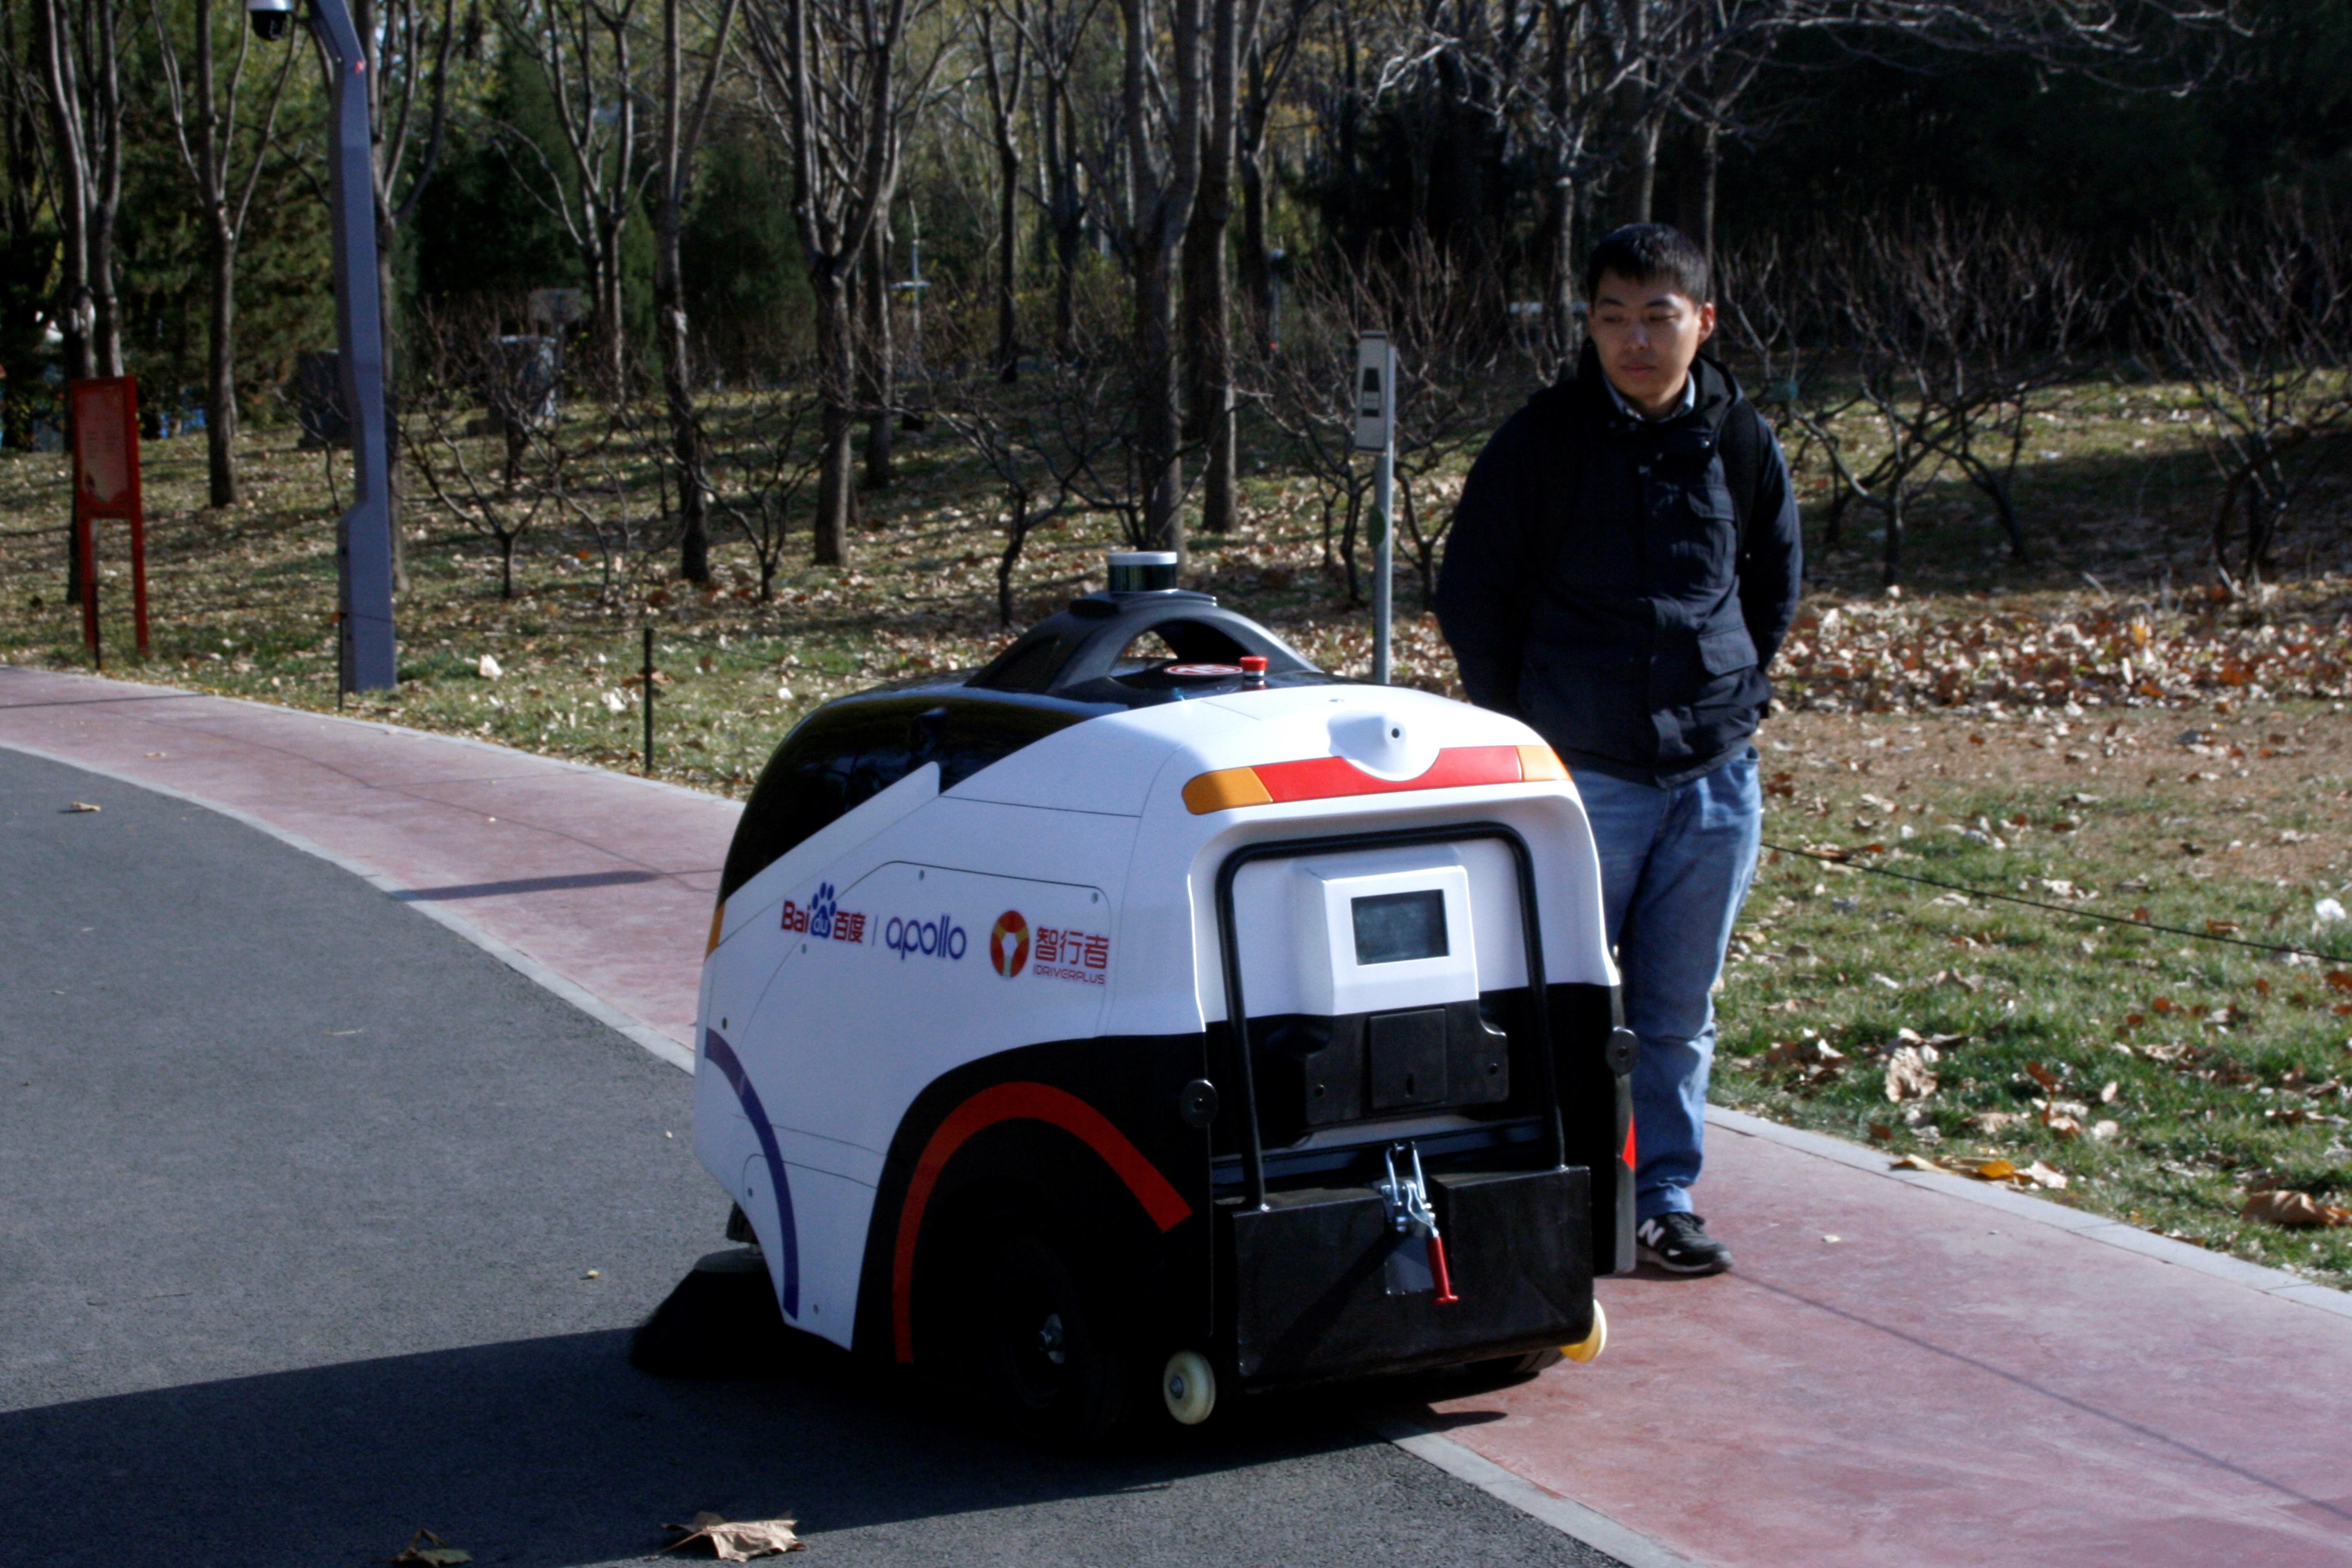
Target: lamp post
[363,534]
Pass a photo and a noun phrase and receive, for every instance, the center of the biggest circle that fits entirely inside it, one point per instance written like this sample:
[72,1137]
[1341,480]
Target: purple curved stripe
[722,1056]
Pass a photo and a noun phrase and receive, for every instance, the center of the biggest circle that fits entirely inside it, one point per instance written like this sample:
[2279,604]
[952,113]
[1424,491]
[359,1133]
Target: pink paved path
[1964,1377]
[603,878]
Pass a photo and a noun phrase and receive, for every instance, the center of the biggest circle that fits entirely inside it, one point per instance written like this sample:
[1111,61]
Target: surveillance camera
[270,18]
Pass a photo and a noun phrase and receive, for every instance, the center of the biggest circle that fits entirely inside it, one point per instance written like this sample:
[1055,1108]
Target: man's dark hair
[1646,253]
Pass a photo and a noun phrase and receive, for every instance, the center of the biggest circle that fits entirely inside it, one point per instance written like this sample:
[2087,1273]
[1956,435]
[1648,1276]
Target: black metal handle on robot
[1237,1010]
[1084,642]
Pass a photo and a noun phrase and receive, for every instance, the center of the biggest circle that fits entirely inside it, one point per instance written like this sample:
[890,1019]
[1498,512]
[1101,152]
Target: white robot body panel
[955,912]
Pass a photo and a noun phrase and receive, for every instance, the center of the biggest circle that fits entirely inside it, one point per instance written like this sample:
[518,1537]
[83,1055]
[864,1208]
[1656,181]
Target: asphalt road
[299,1200]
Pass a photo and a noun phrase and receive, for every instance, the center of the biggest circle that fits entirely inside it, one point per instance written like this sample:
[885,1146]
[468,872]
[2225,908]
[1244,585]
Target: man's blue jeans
[1675,865]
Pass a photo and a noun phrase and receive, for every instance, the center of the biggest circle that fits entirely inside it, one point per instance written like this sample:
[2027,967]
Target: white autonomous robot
[1099,1024]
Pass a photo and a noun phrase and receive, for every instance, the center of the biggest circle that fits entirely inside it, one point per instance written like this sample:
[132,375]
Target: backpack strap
[1564,457]
[1742,444]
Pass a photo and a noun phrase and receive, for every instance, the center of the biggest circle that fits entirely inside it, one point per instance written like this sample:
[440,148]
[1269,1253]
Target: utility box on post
[104,417]
[1375,393]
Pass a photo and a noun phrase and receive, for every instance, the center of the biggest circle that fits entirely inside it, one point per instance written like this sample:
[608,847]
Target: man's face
[1647,336]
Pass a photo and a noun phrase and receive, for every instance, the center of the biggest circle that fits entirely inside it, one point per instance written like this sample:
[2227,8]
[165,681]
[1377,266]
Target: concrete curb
[676,1053]
[2040,1211]
[1595,1530]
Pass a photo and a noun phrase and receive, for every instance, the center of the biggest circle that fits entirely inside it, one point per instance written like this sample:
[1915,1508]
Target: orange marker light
[1332,778]
[718,920]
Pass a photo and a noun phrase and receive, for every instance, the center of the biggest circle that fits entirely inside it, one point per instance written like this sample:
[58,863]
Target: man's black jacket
[1600,585]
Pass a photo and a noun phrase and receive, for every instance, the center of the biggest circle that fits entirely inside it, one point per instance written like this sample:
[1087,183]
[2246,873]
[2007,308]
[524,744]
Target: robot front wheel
[1039,1338]
[1041,1341]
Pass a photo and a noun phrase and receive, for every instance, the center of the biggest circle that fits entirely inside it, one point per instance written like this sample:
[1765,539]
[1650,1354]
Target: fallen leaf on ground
[2042,1176]
[738,1541]
[420,1555]
[1914,1163]
[81,806]
[2042,1075]
[1984,1167]
[2293,1209]
[486,667]
[1910,1074]
[2105,1131]
[1995,1121]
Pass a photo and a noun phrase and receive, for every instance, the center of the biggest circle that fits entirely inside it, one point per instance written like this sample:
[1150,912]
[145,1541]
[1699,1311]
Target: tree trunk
[681,130]
[1160,466]
[1641,174]
[1257,259]
[1208,309]
[220,373]
[60,86]
[106,314]
[394,483]
[1710,161]
[610,305]
[678,395]
[1067,214]
[1562,287]
[1008,257]
[877,360]
[220,356]
[837,380]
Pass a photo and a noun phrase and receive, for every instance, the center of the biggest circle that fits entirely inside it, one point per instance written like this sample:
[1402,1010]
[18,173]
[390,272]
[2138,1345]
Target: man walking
[1622,566]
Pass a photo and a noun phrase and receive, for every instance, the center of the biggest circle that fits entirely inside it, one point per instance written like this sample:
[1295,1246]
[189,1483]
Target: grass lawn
[2089,727]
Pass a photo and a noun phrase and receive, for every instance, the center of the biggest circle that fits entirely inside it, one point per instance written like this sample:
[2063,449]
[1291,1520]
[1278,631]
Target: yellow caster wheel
[1593,1344]
[1189,1385]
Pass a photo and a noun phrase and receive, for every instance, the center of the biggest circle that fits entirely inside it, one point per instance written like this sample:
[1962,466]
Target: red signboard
[104,417]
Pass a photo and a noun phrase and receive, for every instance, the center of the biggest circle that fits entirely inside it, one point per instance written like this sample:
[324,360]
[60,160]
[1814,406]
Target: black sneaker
[1679,1244]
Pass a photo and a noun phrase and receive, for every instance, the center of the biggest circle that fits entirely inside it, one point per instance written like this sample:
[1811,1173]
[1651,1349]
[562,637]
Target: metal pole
[1383,559]
[364,536]
[1374,398]
[646,675]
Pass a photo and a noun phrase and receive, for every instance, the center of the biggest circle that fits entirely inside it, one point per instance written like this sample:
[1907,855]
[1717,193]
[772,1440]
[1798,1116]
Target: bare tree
[877,351]
[1268,60]
[837,82]
[1951,326]
[82,76]
[759,472]
[1056,31]
[683,122]
[1459,370]
[412,49]
[2257,318]
[1054,442]
[27,255]
[1208,288]
[589,49]
[1003,33]
[460,359]
[224,193]
[1161,100]
[2017,304]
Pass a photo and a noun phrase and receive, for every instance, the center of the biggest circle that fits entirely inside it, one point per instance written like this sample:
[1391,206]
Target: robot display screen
[1394,927]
